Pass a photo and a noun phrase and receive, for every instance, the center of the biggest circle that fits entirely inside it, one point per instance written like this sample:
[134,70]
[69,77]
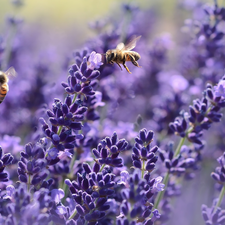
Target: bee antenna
[103,54]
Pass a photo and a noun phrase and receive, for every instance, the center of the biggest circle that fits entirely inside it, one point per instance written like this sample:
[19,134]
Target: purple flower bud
[80,210]
[65,109]
[108,141]
[76,126]
[87,168]
[114,149]
[78,75]
[144,152]
[167,164]
[154,149]
[69,90]
[73,81]
[53,153]
[137,164]
[74,107]
[104,153]
[65,85]
[23,178]
[150,166]
[136,151]
[54,129]
[174,162]
[50,114]
[114,138]
[75,67]
[29,166]
[138,140]
[142,135]
[71,71]
[96,167]
[96,152]
[146,213]
[94,75]
[86,90]
[77,88]
[60,120]
[117,162]
[21,165]
[83,67]
[28,149]
[68,100]
[150,135]
[120,143]
[83,79]
[81,110]
[53,121]
[56,137]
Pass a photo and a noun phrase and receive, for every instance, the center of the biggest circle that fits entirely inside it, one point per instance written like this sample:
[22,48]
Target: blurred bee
[4,78]
[123,53]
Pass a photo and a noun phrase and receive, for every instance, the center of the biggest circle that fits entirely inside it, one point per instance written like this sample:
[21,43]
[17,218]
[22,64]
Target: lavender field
[84,142]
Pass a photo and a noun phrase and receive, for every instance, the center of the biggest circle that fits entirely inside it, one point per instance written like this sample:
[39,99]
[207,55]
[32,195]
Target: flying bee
[123,53]
[4,79]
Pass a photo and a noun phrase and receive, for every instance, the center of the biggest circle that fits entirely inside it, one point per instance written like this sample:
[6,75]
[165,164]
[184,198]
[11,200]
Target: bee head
[3,78]
[109,56]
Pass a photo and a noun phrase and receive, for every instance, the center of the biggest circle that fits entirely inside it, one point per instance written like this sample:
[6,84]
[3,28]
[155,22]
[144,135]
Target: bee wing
[132,43]
[10,72]
[120,46]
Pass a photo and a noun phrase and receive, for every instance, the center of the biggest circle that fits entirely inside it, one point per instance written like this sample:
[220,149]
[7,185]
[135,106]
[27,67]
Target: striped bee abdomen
[3,91]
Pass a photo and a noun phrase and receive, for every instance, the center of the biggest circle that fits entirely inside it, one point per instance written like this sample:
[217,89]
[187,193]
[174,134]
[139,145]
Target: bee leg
[126,68]
[132,59]
[119,65]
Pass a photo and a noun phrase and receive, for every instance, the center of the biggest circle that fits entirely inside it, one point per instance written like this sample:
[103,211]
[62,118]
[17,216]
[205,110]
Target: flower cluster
[108,151]
[79,80]
[175,164]
[105,147]
[142,153]
[31,165]
[202,114]
[91,192]
[5,160]
[136,206]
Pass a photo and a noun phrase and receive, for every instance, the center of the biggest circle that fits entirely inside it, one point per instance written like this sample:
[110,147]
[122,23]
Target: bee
[123,53]
[4,79]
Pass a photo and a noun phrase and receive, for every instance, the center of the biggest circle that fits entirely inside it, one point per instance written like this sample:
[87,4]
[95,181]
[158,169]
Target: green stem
[59,131]
[166,179]
[72,164]
[65,189]
[161,193]
[73,214]
[177,152]
[28,184]
[102,167]
[143,169]
[74,98]
[222,192]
